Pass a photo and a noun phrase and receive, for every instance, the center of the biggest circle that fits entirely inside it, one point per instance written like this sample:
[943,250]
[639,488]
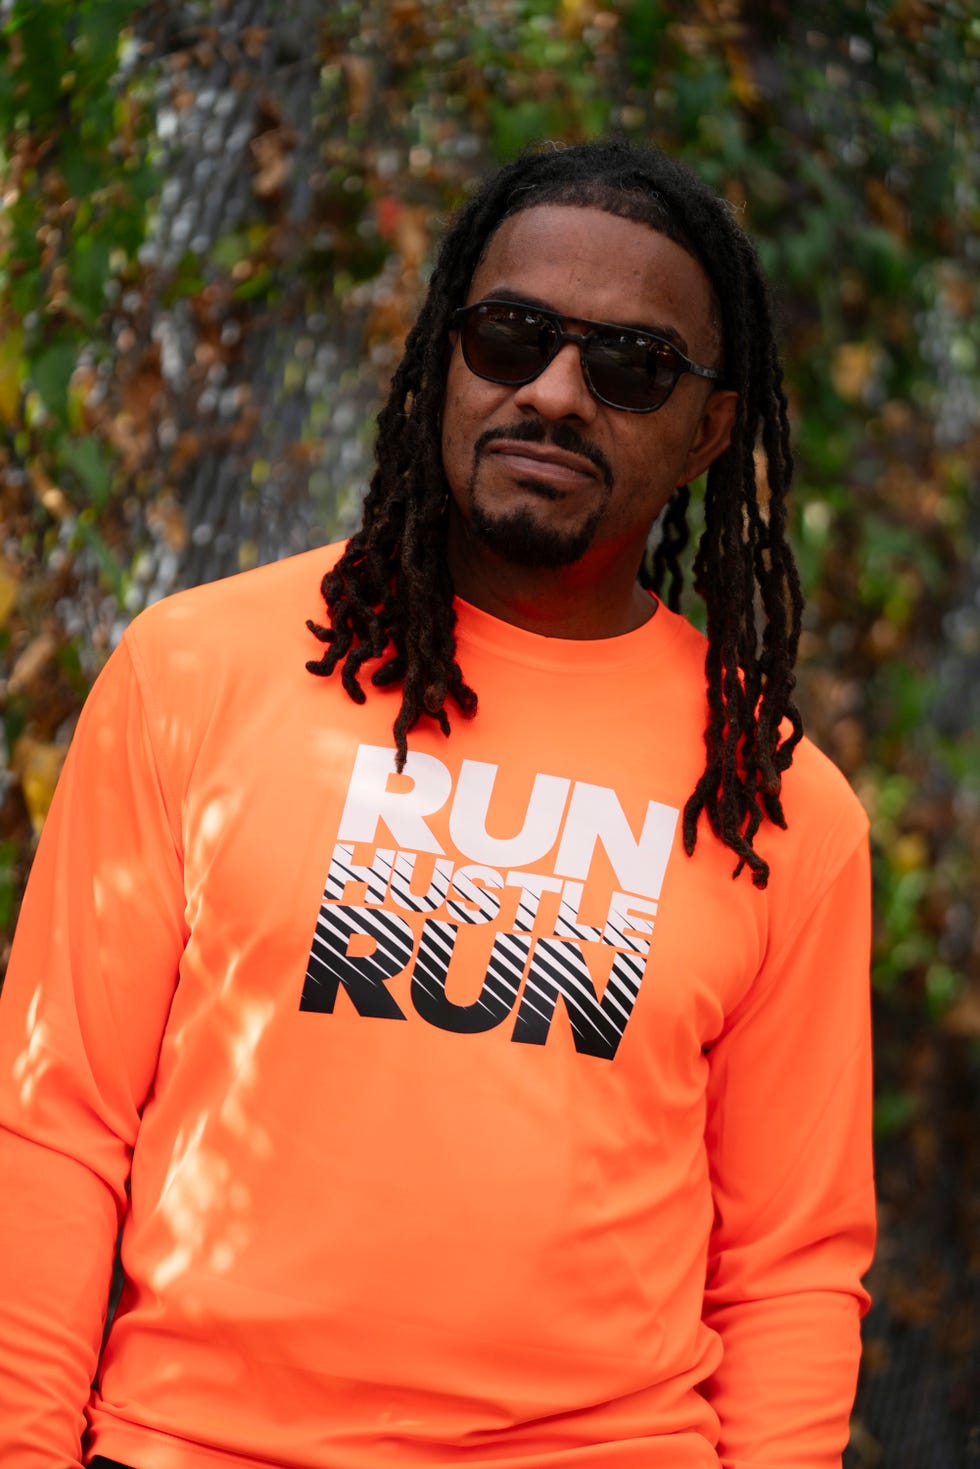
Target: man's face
[543,475]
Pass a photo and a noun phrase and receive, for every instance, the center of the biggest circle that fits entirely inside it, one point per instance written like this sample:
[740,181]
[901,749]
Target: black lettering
[496,998]
[363,976]
[558,967]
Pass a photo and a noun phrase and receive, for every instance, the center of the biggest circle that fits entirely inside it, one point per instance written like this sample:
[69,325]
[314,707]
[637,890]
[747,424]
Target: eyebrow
[518,298]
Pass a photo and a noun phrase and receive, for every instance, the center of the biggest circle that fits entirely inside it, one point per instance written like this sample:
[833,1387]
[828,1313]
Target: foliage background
[216,221]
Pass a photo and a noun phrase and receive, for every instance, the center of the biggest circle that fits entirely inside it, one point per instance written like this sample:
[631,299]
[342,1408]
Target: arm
[789,1139]
[82,1013]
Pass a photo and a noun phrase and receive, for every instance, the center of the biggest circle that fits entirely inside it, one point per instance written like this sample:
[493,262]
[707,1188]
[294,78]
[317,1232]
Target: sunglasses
[509,344]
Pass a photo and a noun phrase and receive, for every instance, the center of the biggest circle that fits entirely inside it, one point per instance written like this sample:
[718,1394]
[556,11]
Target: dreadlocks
[390,596]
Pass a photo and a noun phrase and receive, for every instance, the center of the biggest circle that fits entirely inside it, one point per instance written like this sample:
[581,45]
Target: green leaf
[943,984]
[644,25]
[231,250]
[50,373]
[8,895]
[112,572]
[43,35]
[96,49]
[89,272]
[8,88]
[90,463]
[187,280]
[516,126]
[892,1112]
[259,283]
[84,168]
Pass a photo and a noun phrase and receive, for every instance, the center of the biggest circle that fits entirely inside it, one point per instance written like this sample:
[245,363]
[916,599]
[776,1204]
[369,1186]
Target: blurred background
[216,222]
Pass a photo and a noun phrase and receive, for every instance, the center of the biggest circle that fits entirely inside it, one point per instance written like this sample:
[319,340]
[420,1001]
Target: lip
[555,465]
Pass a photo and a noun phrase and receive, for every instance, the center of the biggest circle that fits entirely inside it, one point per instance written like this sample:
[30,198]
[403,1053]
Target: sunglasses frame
[460,316]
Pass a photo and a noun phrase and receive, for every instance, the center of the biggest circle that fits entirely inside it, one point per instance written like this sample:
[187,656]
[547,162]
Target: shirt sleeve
[89,987]
[789,1139]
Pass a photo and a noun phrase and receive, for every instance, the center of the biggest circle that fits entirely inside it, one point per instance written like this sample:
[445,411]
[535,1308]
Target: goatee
[518,536]
[523,541]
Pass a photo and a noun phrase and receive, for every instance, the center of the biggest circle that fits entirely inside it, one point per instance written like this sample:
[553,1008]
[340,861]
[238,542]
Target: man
[498,1099]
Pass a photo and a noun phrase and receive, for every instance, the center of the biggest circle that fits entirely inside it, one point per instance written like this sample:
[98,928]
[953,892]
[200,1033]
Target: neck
[596,597]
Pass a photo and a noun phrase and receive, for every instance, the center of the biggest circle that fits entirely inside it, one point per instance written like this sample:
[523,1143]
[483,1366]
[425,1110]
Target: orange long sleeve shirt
[454,1118]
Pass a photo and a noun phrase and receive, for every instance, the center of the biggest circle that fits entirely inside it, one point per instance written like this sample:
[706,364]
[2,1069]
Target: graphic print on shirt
[531,937]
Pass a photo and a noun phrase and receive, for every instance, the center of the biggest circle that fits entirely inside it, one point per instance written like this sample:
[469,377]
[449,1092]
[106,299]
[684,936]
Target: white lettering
[473,886]
[532,885]
[594,814]
[344,871]
[567,924]
[629,924]
[369,800]
[468,821]
[402,890]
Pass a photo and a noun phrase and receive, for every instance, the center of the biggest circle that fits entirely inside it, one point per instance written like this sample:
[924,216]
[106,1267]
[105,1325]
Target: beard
[518,536]
[522,540]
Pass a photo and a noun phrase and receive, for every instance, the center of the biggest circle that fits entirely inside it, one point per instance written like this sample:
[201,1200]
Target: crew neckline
[505,640]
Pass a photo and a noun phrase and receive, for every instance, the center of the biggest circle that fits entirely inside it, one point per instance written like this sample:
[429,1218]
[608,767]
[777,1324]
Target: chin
[522,540]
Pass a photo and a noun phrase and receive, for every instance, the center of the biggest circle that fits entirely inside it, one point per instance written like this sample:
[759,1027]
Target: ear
[712,435]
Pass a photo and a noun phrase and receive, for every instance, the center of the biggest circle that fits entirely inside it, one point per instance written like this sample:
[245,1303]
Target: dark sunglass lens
[632,372]
[506,344]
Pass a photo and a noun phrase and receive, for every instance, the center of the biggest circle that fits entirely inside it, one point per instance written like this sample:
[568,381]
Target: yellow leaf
[572,17]
[910,852]
[38,766]
[853,368]
[744,87]
[11,373]
[9,579]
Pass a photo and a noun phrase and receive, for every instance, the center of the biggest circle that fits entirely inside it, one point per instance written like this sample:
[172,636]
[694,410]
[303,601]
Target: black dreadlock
[390,596]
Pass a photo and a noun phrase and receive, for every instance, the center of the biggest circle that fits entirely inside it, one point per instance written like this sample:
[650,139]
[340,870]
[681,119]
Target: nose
[561,390]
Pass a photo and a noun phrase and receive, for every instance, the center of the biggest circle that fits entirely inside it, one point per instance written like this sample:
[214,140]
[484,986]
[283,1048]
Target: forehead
[586,263]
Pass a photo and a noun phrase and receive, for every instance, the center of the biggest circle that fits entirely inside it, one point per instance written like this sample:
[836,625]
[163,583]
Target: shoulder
[826,827]
[219,658]
[259,604]
[816,796]
[233,631]
[825,821]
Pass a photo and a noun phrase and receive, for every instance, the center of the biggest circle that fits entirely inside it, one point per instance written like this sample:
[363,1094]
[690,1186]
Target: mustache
[560,436]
